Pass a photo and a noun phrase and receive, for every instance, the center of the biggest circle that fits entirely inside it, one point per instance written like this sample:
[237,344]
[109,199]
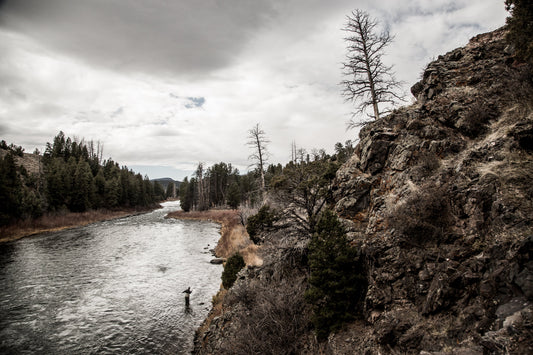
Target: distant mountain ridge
[164,182]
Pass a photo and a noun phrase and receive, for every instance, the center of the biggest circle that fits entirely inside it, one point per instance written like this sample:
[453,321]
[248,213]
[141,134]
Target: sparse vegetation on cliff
[437,200]
[257,223]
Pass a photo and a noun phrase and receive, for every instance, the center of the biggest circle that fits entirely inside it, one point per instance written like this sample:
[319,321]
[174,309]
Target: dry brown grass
[59,221]
[234,237]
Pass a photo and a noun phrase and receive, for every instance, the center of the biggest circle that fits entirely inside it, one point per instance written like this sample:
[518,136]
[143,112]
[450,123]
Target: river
[113,287]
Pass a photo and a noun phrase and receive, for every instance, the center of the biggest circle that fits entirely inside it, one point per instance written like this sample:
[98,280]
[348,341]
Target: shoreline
[233,238]
[233,235]
[54,223]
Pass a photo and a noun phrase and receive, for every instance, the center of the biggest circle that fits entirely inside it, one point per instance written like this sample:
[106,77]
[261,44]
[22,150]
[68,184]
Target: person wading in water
[187,293]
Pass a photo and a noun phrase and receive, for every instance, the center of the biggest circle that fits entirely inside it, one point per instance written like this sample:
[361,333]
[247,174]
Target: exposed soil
[233,235]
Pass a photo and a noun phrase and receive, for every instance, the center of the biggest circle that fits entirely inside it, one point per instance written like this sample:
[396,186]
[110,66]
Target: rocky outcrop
[438,198]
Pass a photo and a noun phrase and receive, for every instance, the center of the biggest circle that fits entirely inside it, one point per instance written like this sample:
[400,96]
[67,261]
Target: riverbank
[233,235]
[61,221]
[233,238]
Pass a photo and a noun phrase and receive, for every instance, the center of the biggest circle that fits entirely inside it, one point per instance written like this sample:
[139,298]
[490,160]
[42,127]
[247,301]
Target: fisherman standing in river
[187,293]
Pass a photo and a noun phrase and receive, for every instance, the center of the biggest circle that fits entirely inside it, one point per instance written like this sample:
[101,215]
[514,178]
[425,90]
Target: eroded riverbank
[233,235]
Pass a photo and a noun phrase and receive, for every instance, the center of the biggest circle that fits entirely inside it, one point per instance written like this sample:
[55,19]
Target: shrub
[424,217]
[336,283]
[426,164]
[265,218]
[233,265]
[474,122]
[274,320]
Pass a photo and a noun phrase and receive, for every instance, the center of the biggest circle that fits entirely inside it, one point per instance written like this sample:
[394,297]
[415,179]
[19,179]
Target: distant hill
[165,181]
[31,162]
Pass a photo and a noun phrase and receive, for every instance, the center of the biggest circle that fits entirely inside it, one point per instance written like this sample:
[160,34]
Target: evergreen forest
[71,177]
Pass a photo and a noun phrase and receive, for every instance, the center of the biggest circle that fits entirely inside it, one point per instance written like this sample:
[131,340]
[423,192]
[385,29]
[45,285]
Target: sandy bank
[53,223]
[233,235]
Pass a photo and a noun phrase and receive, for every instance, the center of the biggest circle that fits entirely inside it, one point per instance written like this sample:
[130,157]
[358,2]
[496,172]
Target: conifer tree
[158,191]
[234,198]
[112,192]
[305,187]
[520,26]
[170,192]
[233,265]
[10,190]
[185,196]
[82,188]
[336,282]
[99,185]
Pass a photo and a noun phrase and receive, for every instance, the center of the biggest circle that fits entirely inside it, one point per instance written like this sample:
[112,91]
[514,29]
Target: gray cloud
[186,37]
[3,129]
[132,73]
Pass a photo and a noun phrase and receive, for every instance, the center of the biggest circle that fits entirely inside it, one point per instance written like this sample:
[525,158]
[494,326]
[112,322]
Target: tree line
[73,178]
[220,185]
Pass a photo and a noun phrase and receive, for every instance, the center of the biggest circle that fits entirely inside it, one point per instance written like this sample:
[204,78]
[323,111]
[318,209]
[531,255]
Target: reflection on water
[112,287]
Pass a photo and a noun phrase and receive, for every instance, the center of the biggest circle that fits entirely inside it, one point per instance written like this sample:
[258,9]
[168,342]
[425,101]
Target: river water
[113,287]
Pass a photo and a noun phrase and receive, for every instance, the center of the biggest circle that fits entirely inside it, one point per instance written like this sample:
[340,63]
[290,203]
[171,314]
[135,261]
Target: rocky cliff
[438,198]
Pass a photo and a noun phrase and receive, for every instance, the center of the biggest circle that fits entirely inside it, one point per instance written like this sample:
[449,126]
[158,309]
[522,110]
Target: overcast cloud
[167,84]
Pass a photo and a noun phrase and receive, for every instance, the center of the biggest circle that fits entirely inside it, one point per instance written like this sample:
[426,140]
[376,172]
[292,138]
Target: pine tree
[55,175]
[233,265]
[10,190]
[520,26]
[99,185]
[170,192]
[258,141]
[185,199]
[305,187]
[83,188]
[234,195]
[159,191]
[112,193]
[336,282]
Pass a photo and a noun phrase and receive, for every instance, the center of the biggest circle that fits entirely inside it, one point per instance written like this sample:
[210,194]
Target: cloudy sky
[165,84]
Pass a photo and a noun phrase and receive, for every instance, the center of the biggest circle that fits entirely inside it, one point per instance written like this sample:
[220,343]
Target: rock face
[438,197]
[439,200]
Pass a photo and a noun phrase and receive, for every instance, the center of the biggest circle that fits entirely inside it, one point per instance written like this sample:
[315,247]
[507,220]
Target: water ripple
[112,287]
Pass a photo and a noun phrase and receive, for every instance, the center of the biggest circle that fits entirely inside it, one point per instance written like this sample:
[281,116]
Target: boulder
[217,261]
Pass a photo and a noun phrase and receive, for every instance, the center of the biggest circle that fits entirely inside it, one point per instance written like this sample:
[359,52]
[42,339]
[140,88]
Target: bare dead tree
[96,154]
[369,81]
[293,151]
[258,141]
